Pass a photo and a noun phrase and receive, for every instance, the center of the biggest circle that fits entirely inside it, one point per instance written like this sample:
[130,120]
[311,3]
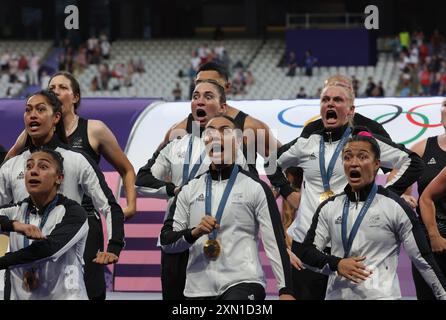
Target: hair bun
[365,134]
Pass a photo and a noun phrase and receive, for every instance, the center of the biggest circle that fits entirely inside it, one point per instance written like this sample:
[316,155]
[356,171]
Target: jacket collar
[52,144]
[34,210]
[362,193]
[331,135]
[221,174]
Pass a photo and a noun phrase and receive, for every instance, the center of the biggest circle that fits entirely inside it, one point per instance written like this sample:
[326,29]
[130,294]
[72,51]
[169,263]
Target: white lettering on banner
[407,120]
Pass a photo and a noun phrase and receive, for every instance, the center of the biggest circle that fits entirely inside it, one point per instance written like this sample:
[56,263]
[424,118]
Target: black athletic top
[78,140]
[435,159]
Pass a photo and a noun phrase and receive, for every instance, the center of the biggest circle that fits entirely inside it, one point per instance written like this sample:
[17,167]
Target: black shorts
[94,273]
[173,274]
[307,284]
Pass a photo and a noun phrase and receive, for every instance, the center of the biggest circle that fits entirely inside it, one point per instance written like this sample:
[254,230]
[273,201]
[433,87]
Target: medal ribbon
[43,220]
[347,243]
[186,175]
[224,198]
[327,173]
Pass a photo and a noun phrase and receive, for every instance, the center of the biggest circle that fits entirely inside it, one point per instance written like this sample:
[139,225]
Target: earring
[54,129]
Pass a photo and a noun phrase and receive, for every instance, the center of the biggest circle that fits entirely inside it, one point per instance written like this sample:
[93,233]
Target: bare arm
[419,149]
[108,146]
[18,146]
[178,129]
[434,190]
[266,142]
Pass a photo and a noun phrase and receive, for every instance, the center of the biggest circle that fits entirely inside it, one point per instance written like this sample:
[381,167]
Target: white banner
[407,120]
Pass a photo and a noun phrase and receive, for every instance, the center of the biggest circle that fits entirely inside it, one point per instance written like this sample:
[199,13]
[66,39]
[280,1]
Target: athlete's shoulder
[254,123]
[372,125]
[311,128]
[179,129]
[180,125]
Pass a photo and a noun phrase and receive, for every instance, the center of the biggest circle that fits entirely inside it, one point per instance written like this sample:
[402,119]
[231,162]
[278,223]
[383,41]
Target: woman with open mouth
[94,138]
[365,226]
[51,267]
[323,176]
[217,217]
[44,128]
[174,165]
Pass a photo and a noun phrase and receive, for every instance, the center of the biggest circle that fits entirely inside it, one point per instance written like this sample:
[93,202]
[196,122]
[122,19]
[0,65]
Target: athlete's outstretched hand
[438,244]
[105,258]
[411,201]
[295,261]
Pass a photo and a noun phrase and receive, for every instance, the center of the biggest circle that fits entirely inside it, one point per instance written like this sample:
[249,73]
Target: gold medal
[30,280]
[325,195]
[212,249]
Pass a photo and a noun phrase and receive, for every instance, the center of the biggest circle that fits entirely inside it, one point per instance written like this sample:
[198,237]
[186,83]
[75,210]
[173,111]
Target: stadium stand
[13,80]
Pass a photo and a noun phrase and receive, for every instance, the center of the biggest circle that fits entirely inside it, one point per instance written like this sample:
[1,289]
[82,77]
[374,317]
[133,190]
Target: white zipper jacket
[81,176]
[388,223]
[250,208]
[57,261]
[304,153]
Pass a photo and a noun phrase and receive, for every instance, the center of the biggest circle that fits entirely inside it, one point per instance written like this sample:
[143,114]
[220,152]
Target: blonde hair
[339,80]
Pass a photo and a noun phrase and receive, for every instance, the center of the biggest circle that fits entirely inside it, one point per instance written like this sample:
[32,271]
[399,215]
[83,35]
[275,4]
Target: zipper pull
[329,137]
[357,199]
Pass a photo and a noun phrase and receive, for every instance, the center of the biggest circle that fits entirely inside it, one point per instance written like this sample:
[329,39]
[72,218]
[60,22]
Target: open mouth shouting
[33,126]
[33,183]
[201,115]
[354,176]
[331,117]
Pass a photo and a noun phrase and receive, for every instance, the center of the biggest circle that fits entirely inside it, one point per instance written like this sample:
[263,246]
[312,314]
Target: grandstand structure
[163,60]
[17,48]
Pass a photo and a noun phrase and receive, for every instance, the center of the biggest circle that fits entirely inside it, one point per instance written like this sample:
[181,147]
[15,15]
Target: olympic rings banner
[142,123]
[407,120]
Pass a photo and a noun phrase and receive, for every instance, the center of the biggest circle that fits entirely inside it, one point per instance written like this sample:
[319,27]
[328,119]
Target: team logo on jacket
[181,154]
[338,220]
[200,197]
[237,198]
[21,176]
[313,156]
[374,221]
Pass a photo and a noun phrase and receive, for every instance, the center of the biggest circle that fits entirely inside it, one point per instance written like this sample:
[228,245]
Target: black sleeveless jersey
[78,140]
[435,160]
[239,121]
